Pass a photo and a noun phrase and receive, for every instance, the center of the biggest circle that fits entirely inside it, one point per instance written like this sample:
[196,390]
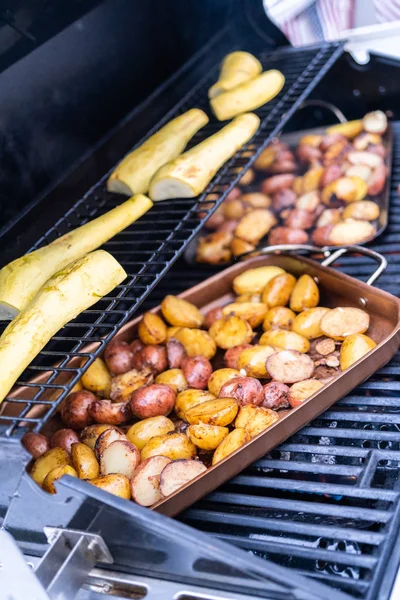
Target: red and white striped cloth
[308,21]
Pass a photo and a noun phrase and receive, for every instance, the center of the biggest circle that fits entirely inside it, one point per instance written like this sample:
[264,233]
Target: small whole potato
[321,236]
[353,348]
[140,433]
[207,437]
[181,313]
[239,246]
[302,390]
[174,378]
[64,438]
[253,281]
[288,340]
[153,358]
[119,357]
[175,353]
[189,398]
[278,317]
[305,294]
[257,420]
[171,445]
[299,218]
[122,386]
[366,210]
[351,231]
[245,390]
[231,331]
[152,329]
[97,379]
[110,413]
[233,441]
[75,411]
[215,247]
[153,400]
[247,177]
[136,346]
[287,235]
[56,474]
[253,361]
[307,323]
[283,199]
[278,290]
[211,316]
[231,356]
[90,434]
[35,443]
[219,412]
[255,225]
[252,312]
[219,377]
[276,395]
[276,183]
[233,209]
[257,200]
[197,370]
[196,342]
[84,461]
[55,457]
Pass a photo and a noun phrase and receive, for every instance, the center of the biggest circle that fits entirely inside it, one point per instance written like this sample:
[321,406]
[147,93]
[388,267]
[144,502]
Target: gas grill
[317,517]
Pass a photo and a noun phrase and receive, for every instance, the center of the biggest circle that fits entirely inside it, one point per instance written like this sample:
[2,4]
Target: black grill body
[326,503]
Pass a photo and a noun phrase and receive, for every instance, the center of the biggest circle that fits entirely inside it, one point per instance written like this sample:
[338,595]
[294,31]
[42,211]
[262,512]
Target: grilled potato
[207,437]
[219,378]
[278,317]
[120,457]
[64,438]
[56,474]
[278,290]
[84,461]
[172,445]
[252,312]
[141,432]
[197,371]
[56,457]
[90,434]
[255,225]
[123,386]
[75,410]
[119,357]
[353,348]
[351,232]
[36,443]
[231,331]
[113,484]
[179,473]
[288,340]
[260,421]
[145,483]
[290,366]
[231,356]
[253,281]
[305,294]
[174,378]
[181,313]
[196,342]
[307,323]
[252,362]
[366,210]
[340,322]
[219,412]
[97,379]
[233,441]
[153,400]
[302,390]
[245,390]
[152,329]
[189,398]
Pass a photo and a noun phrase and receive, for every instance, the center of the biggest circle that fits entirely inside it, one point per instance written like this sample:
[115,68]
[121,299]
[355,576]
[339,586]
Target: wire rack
[148,248]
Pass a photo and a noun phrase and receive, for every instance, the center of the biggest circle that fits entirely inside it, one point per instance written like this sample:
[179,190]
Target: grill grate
[327,501]
[148,248]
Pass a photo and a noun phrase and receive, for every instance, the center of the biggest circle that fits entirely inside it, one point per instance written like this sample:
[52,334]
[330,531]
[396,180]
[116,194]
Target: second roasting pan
[336,289]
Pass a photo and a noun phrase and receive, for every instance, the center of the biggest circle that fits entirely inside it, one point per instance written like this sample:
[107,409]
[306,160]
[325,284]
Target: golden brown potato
[189,398]
[233,441]
[97,379]
[120,457]
[113,484]
[298,186]
[278,317]
[231,331]
[288,340]
[353,348]
[252,312]
[179,473]
[239,246]
[283,200]
[119,357]
[215,247]
[171,332]
[366,210]
[110,413]
[152,329]
[56,474]
[175,446]
[142,431]
[123,386]
[305,294]
[247,177]
[90,434]
[211,316]
[180,312]
[309,201]
[260,421]
[219,377]
[196,342]
[312,178]
[106,438]
[253,281]
[56,457]
[84,461]
[233,209]
[253,361]
[197,370]
[359,171]
[64,438]
[175,353]
[290,366]
[311,139]
[245,390]
[330,216]
[231,356]
[244,415]
[257,200]
[207,437]
[342,321]
[75,411]
[221,412]
[344,191]
[174,378]
[375,122]
[248,298]
[153,400]
[349,129]
[370,159]
[307,323]
[278,290]
[36,443]
[145,484]
[302,390]
[351,231]
[266,158]
[151,358]
[255,225]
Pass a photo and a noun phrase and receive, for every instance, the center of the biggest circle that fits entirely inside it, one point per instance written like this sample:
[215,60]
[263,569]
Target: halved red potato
[366,210]
[375,122]
[179,473]
[370,159]
[105,439]
[302,390]
[351,231]
[342,321]
[145,483]
[290,366]
[308,201]
[121,457]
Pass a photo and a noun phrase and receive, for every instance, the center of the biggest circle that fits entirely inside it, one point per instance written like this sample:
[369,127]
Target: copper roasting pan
[336,289]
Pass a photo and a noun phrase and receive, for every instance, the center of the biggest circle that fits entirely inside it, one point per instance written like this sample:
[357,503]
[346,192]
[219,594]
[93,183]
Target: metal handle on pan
[330,255]
[336,111]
